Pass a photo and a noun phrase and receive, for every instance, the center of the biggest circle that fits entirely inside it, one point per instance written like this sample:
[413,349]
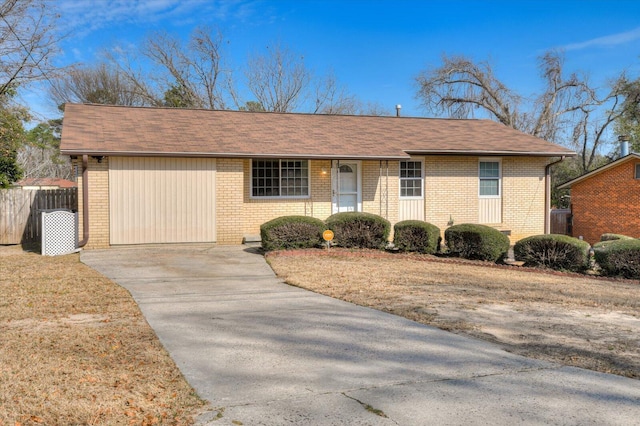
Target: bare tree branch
[628,124]
[459,86]
[331,98]
[100,84]
[278,80]
[28,43]
[567,111]
[187,75]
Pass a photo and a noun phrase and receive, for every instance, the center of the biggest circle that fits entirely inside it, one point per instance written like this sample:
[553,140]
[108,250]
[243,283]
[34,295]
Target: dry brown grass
[575,320]
[75,349]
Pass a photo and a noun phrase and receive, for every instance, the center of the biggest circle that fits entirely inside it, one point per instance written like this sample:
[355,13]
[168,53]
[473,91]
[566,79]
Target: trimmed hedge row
[478,242]
[352,229]
[356,229]
[559,252]
[617,255]
[607,239]
[416,235]
[619,258]
[613,237]
[289,232]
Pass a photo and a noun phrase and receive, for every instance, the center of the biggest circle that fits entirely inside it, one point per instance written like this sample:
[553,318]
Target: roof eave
[493,152]
[95,153]
[315,156]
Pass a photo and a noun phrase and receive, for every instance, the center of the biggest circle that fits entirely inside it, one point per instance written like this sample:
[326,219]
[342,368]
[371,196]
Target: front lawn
[567,318]
[75,349]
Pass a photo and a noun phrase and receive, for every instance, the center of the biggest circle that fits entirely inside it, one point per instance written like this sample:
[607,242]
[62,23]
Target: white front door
[346,187]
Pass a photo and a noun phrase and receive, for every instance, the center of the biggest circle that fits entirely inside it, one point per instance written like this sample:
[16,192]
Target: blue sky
[376,48]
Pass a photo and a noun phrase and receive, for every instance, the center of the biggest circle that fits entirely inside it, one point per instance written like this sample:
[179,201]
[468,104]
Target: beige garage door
[161,200]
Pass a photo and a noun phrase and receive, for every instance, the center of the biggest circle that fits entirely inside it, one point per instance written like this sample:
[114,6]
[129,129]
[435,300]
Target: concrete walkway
[264,353]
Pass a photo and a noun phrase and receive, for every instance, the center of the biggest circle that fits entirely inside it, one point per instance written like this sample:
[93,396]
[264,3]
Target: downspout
[85,201]
[547,195]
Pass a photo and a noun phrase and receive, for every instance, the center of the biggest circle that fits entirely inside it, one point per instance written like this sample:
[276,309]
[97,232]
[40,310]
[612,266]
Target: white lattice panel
[59,232]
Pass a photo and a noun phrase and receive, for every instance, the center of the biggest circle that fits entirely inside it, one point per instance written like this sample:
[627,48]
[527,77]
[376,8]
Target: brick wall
[380,188]
[229,200]
[608,202]
[238,214]
[523,196]
[98,202]
[451,193]
[451,190]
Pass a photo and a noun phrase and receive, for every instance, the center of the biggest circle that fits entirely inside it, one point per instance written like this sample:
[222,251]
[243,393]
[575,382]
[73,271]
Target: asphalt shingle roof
[118,130]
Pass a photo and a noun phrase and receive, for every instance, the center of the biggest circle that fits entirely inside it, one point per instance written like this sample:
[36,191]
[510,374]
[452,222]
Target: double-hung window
[638,171]
[411,179]
[280,178]
[489,174]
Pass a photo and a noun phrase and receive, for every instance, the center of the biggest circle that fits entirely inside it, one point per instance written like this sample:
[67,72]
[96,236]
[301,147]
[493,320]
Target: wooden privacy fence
[561,221]
[20,211]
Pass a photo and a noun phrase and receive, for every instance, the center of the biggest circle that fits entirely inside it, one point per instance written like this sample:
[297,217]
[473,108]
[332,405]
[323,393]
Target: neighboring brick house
[162,175]
[607,200]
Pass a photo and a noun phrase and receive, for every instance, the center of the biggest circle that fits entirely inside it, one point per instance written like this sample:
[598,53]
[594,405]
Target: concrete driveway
[264,353]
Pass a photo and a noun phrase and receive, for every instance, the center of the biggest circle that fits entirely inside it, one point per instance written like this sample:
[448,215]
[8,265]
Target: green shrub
[607,239]
[620,258]
[601,244]
[553,251]
[480,242]
[288,232]
[614,237]
[363,230]
[416,235]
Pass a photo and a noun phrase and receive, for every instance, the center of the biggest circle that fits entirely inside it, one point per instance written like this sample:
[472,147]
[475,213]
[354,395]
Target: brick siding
[607,202]
[523,196]
[451,191]
[98,202]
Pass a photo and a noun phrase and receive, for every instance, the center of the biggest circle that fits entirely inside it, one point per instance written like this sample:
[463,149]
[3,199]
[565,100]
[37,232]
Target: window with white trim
[411,179]
[280,178]
[489,176]
[638,171]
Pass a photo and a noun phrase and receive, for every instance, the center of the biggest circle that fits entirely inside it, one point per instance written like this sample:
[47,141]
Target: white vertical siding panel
[490,210]
[132,227]
[145,201]
[411,209]
[151,175]
[176,207]
[197,183]
[192,186]
[182,213]
[161,212]
[133,221]
[185,228]
[141,230]
[168,215]
[162,200]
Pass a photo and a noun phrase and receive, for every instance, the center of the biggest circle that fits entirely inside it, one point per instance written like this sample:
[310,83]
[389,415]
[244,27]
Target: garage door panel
[161,200]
